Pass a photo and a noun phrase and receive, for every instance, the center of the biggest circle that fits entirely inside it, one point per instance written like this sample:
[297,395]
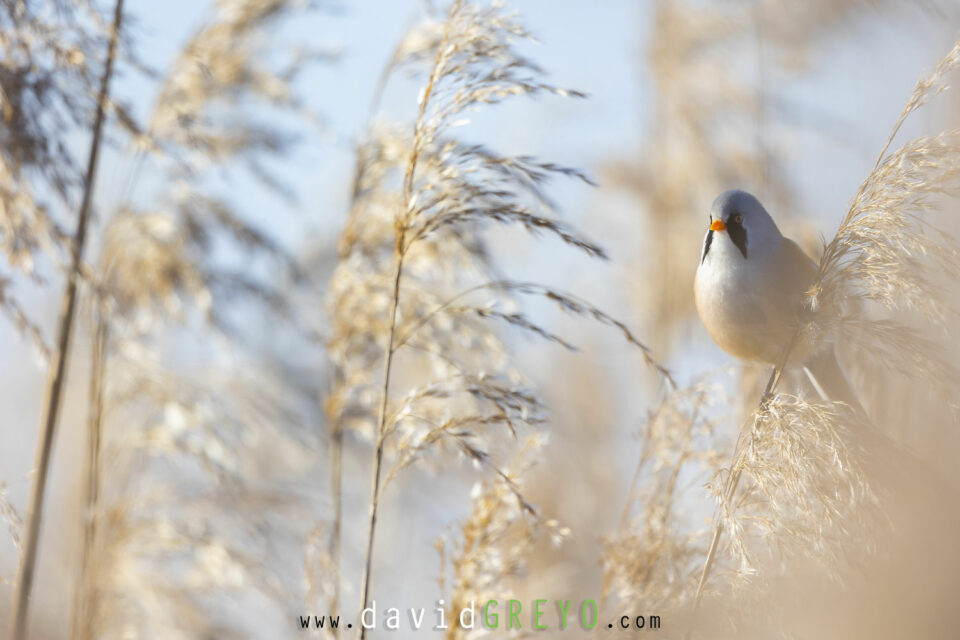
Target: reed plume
[158,285]
[490,554]
[652,560]
[46,71]
[414,261]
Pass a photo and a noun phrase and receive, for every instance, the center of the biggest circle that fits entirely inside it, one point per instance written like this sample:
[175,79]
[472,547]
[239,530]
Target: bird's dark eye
[738,219]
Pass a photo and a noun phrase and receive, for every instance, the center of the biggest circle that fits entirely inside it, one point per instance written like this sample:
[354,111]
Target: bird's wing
[891,464]
[775,303]
[800,270]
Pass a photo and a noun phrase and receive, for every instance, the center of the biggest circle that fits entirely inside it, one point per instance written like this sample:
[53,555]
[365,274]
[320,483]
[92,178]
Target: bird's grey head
[741,218]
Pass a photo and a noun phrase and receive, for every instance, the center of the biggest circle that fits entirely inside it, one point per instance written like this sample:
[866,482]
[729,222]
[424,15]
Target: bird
[749,290]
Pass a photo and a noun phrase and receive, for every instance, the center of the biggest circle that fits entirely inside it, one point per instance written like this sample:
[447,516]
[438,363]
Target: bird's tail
[890,461]
[830,382]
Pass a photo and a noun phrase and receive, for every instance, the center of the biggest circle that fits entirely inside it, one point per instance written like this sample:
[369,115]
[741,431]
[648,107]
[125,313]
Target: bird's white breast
[747,304]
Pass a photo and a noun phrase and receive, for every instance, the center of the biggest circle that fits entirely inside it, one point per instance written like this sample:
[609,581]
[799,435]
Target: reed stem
[378,456]
[84,603]
[60,357]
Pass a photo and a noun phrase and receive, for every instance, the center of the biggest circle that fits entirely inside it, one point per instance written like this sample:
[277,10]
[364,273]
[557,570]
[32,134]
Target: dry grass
[156,285]
[653,559]
[449,192]
[237,391]
[492,551]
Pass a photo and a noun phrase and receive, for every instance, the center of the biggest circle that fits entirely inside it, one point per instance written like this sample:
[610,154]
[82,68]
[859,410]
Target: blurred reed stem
[336,488]
[60,357]
[85,591]
[381,422]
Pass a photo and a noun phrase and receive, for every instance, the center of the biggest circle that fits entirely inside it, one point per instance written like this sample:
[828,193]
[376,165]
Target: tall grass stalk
[378,455]
[84,597]
[61,355]
[388,297]
[336,535]
[400,251]
[415,42]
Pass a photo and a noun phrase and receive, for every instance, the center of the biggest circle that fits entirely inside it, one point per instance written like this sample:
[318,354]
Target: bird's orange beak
[717,225]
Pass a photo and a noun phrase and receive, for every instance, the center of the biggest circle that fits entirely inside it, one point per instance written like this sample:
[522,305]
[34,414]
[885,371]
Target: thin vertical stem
[336,443]
[401,248]
[381,422]
[336,488]
[84,602]
[635,480]
[60,358]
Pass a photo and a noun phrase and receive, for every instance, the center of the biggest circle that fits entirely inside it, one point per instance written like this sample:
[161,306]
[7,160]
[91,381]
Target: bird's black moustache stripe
[706,245]
[738,235]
